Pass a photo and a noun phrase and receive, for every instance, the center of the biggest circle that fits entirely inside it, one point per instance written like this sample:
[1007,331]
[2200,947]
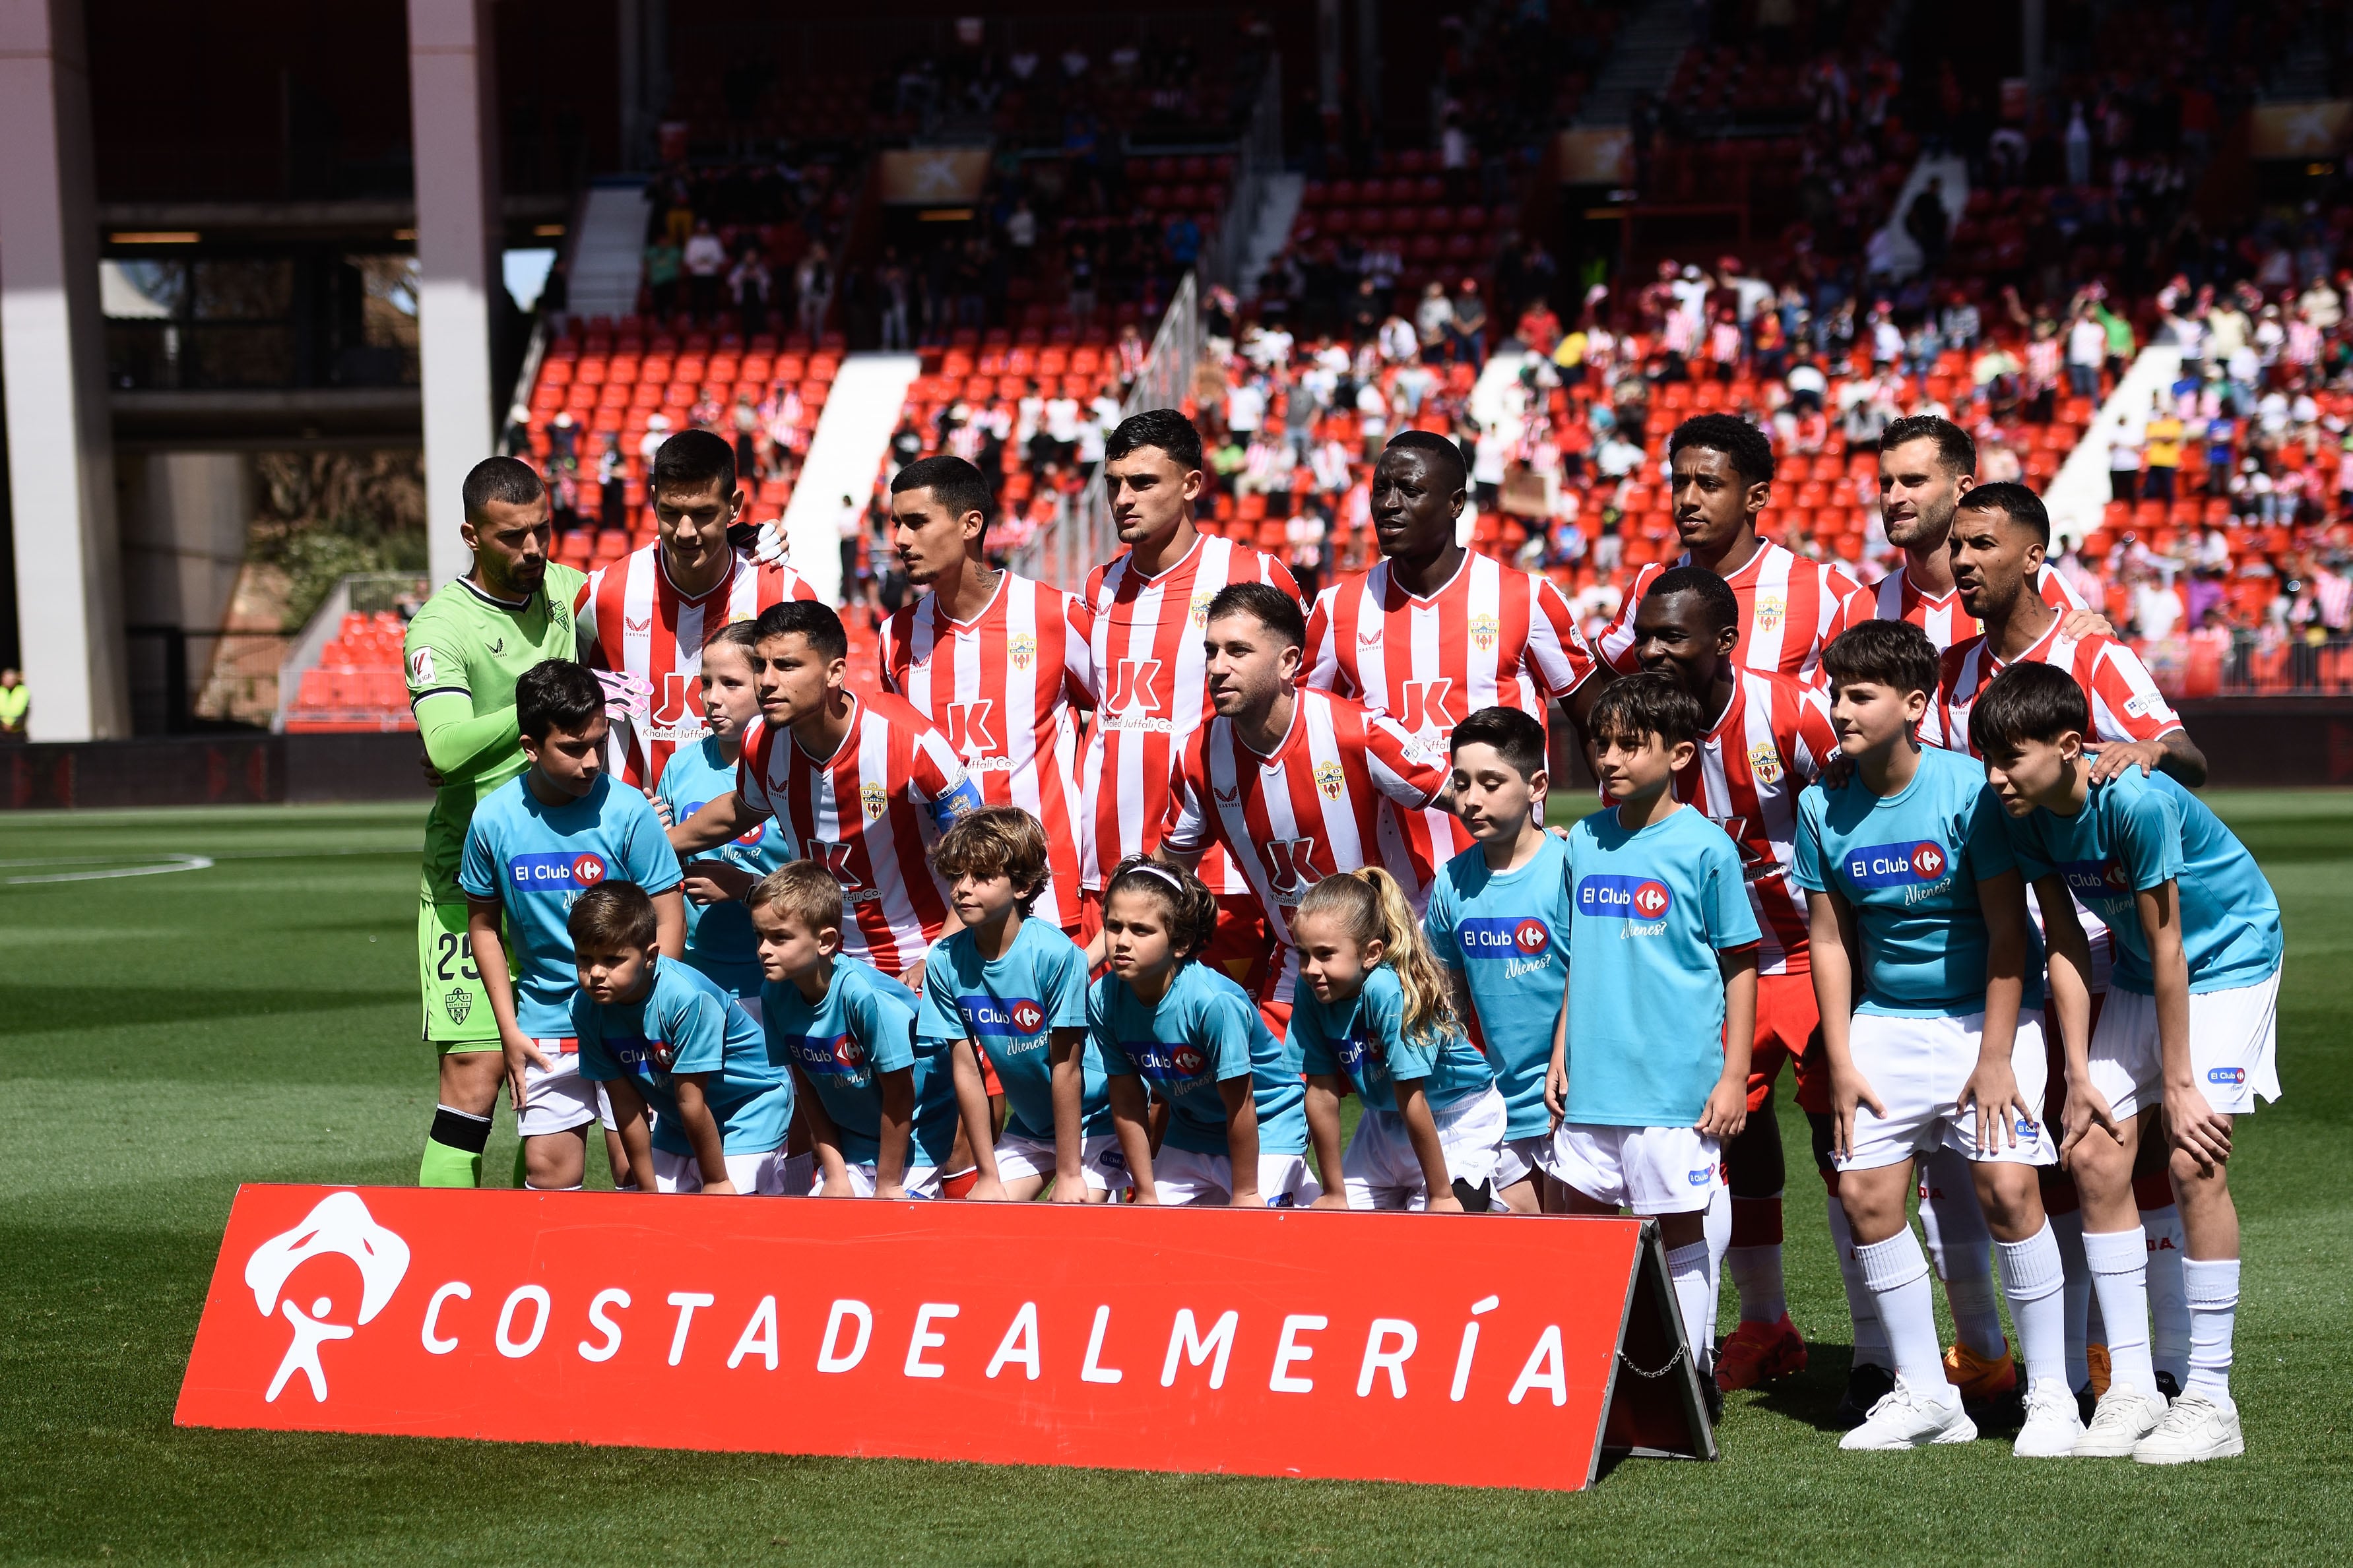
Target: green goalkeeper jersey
[466,644]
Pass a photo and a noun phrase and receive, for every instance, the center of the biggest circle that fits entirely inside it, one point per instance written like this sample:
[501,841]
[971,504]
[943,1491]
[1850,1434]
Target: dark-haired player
[1435,632]
[645,618]
[1150,607]
[463,652]
[994,660]
[862,786]
[1791,608]
[1292,782]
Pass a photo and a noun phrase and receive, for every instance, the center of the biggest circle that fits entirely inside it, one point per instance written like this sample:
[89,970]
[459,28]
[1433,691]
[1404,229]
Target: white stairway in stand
[844,457]
[609,256]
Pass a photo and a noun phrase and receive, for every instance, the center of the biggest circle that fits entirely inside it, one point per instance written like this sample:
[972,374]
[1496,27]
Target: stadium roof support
[61,476]
[453,130]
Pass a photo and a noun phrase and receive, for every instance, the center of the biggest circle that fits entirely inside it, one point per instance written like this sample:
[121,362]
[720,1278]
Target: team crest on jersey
[1201,610]
[1771,609]
[1330,781]
[871,797]
[458,1004]
[1022,651]
[1484,630]
[1765,763]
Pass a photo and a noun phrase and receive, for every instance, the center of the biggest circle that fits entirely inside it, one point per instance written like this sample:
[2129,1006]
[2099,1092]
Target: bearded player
[645,618]
[463,653]
[1150,608]
[1435,632]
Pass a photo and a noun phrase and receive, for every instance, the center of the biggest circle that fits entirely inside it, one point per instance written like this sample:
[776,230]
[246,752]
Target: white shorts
[557,1098]
[1649,1170]
[1099,1160]
[921,1180]
[1918,1067]
[755,1175]
[1382,1172]
[1517,1159]
[1183,1177]
[2234,1048]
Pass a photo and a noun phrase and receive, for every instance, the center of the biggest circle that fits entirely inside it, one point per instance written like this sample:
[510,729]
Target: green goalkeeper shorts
[457,1009]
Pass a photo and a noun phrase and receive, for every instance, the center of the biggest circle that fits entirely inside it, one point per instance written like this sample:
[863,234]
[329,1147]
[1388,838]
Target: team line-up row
[1902,891]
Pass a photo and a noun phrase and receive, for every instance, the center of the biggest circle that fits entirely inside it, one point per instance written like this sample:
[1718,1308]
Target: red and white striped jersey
[1492,637]
[1312,809]
[2126,703]
[1790,610]
[869,814]
[1148,657]
[1771,743]
[1001,685]
[631,618]
[1942,616]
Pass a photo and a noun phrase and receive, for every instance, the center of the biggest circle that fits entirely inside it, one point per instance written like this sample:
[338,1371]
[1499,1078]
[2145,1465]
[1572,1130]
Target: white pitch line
[175,863]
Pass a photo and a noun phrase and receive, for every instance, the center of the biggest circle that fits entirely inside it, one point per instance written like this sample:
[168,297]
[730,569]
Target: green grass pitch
[173,1035]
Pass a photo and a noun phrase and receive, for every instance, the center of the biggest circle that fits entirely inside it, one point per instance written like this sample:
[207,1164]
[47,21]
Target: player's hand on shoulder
[662,811]
[2114,756]
[913,978]
[2077,625]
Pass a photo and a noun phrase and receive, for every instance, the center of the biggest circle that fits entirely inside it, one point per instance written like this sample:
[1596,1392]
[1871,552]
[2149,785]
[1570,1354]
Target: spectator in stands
[1433,319]
[813,290]
[894,287]
[748,284]
[1539,327]
[2088,347]
[2162,447]
[1467,333]
[705,258]
[663,259]
[2124,460]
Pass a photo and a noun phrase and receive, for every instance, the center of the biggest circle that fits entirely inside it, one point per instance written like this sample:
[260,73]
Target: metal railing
[1080,537]
[2249,666]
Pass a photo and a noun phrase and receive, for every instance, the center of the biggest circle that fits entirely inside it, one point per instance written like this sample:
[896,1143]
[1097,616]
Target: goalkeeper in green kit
[463,654]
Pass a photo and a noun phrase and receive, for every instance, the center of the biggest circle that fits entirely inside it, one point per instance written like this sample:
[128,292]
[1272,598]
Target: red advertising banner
[1474,1351]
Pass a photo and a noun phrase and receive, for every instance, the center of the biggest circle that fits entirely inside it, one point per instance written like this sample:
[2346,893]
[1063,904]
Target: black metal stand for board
[1655,1408]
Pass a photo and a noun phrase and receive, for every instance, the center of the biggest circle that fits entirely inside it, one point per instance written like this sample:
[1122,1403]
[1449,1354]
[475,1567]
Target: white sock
[2068,1229]
[1695,1290]
[1719,1239]
[2213,1288]
[1896,1271]
[2120,1264]
[2035,1280]
[1870,1336]
[2168,1303]
[1959,1245]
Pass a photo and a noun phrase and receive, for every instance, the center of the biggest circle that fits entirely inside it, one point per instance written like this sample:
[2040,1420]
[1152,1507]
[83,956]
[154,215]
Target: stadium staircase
[1270,233]
[2077,499]
[1643,62]
[844,454]
[609,256]
[1899,252]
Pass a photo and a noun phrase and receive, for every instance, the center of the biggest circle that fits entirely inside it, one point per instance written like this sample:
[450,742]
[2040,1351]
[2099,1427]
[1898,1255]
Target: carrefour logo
[985,1014]
[1897,864]
[556,871]
[2230,1077]
[1607,897]
[1176,1067]
[831,1055]
[1504,936]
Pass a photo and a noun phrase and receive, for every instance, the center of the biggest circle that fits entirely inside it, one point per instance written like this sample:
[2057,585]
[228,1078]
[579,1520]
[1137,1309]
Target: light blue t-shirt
[1012,1006]
[1652,912]
[1910,863]
[863,1028]
[718,939]
[685,1023]
[1364,1039]
[1507,932]
[1206,1031]
[538,859]
[2135,834]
